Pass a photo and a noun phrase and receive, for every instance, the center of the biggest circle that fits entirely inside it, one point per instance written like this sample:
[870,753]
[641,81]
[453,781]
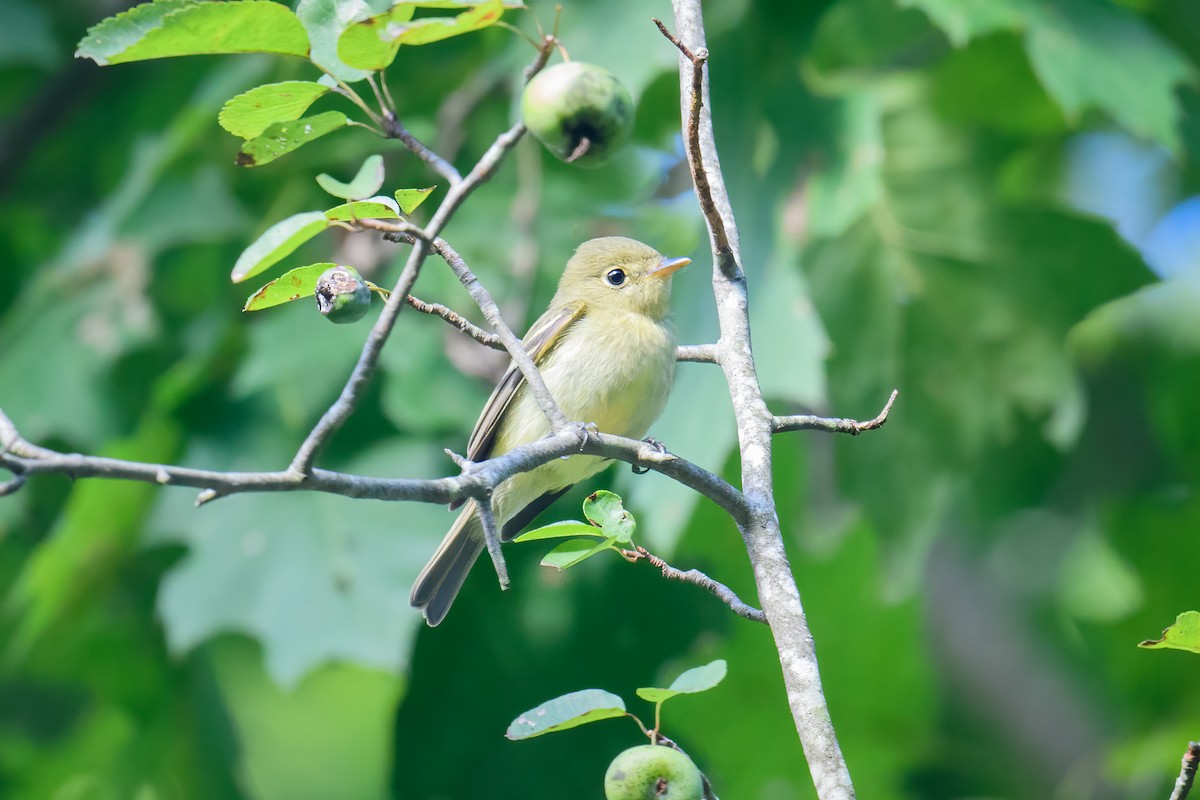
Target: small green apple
[581,112]
[653,772]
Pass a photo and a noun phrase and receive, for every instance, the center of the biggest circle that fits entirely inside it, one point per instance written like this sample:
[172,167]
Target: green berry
[581,112]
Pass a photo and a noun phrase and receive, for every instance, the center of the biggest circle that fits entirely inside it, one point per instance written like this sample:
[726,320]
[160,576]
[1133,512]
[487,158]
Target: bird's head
[615,272]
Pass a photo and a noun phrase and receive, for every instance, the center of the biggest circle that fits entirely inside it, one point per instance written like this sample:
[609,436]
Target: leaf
[568,711]
[697,679]
[963,20]
[560,530]
[372,43]
[605,510]
[375,208]
[278,241]
[361,45]
[284,137]
[409,199]
[172,28]
[361,186]
[291,285]
[1100,55]
[325,21]
[573,551]
[315,578]
[1183,635]
[252,112]
[1086,55]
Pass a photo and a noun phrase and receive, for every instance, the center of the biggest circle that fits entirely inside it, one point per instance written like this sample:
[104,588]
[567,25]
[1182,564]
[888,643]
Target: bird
[605,349]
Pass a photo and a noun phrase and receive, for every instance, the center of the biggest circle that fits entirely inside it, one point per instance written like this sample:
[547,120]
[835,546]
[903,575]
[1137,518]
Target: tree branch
[393,128]
[341,410]
[761,533]
[698,578]
[457,320]
[1187,772]
[807,422]
[477,479]
[698,353]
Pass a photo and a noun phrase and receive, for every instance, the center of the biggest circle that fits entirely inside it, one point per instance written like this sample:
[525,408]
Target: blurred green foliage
[983,204]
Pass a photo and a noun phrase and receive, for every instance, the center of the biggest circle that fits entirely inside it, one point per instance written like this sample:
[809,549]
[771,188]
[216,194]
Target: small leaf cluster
[607,520]
[345,42]
[590,705]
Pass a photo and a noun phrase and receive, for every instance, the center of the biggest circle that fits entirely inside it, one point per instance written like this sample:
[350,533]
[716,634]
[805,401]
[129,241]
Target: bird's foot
[658,447]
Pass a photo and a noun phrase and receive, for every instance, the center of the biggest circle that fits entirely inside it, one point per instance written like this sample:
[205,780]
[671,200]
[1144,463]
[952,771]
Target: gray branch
[698,578]
[341,410]
[761,533]
[806,422]
[22,459]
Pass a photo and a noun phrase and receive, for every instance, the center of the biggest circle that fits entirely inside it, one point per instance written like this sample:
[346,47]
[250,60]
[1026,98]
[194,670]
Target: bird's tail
[438,584]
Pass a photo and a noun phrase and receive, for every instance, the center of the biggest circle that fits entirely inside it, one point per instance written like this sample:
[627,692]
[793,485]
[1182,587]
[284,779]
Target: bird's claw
[657,445]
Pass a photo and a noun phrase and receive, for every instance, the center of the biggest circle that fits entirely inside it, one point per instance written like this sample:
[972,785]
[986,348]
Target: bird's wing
[539,342]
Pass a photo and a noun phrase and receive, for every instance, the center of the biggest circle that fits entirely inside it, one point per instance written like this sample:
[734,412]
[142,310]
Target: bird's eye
[615,277]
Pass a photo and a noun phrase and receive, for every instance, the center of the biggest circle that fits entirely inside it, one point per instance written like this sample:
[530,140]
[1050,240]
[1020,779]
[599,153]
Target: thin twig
[491,311]
[457,320]
[722,248]
[808,422]
[698,578]
[342,408]
[698,353]
[393,128]
[483,507]
[1187,772]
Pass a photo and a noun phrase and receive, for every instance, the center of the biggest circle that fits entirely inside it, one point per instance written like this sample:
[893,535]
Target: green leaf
[963,20]
[172,28]
[1099,55]
[568,711]
[560,530]
[409,199]
[692,681]
[372,43]
[375,208]
[284,137]
[278,241]
[1086,54]
[252,112]
[361,186]
[1183,635]
[291,285]
[573,551]
[605,510]
[362,46]
[326,21]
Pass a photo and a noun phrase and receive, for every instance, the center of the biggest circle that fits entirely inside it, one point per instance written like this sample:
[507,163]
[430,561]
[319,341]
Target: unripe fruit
[581,112]
[653,772]
[342,295]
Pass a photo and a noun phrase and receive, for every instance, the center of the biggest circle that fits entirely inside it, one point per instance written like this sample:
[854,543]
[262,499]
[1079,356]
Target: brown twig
[698,578]
[807,422]
[704,191]
[457,320]
[1187,772]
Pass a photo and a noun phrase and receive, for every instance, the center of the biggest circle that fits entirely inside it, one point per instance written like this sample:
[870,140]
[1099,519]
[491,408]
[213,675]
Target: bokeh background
[993,207]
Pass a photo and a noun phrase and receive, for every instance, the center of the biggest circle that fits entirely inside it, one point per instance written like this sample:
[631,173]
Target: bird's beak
[668,266]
